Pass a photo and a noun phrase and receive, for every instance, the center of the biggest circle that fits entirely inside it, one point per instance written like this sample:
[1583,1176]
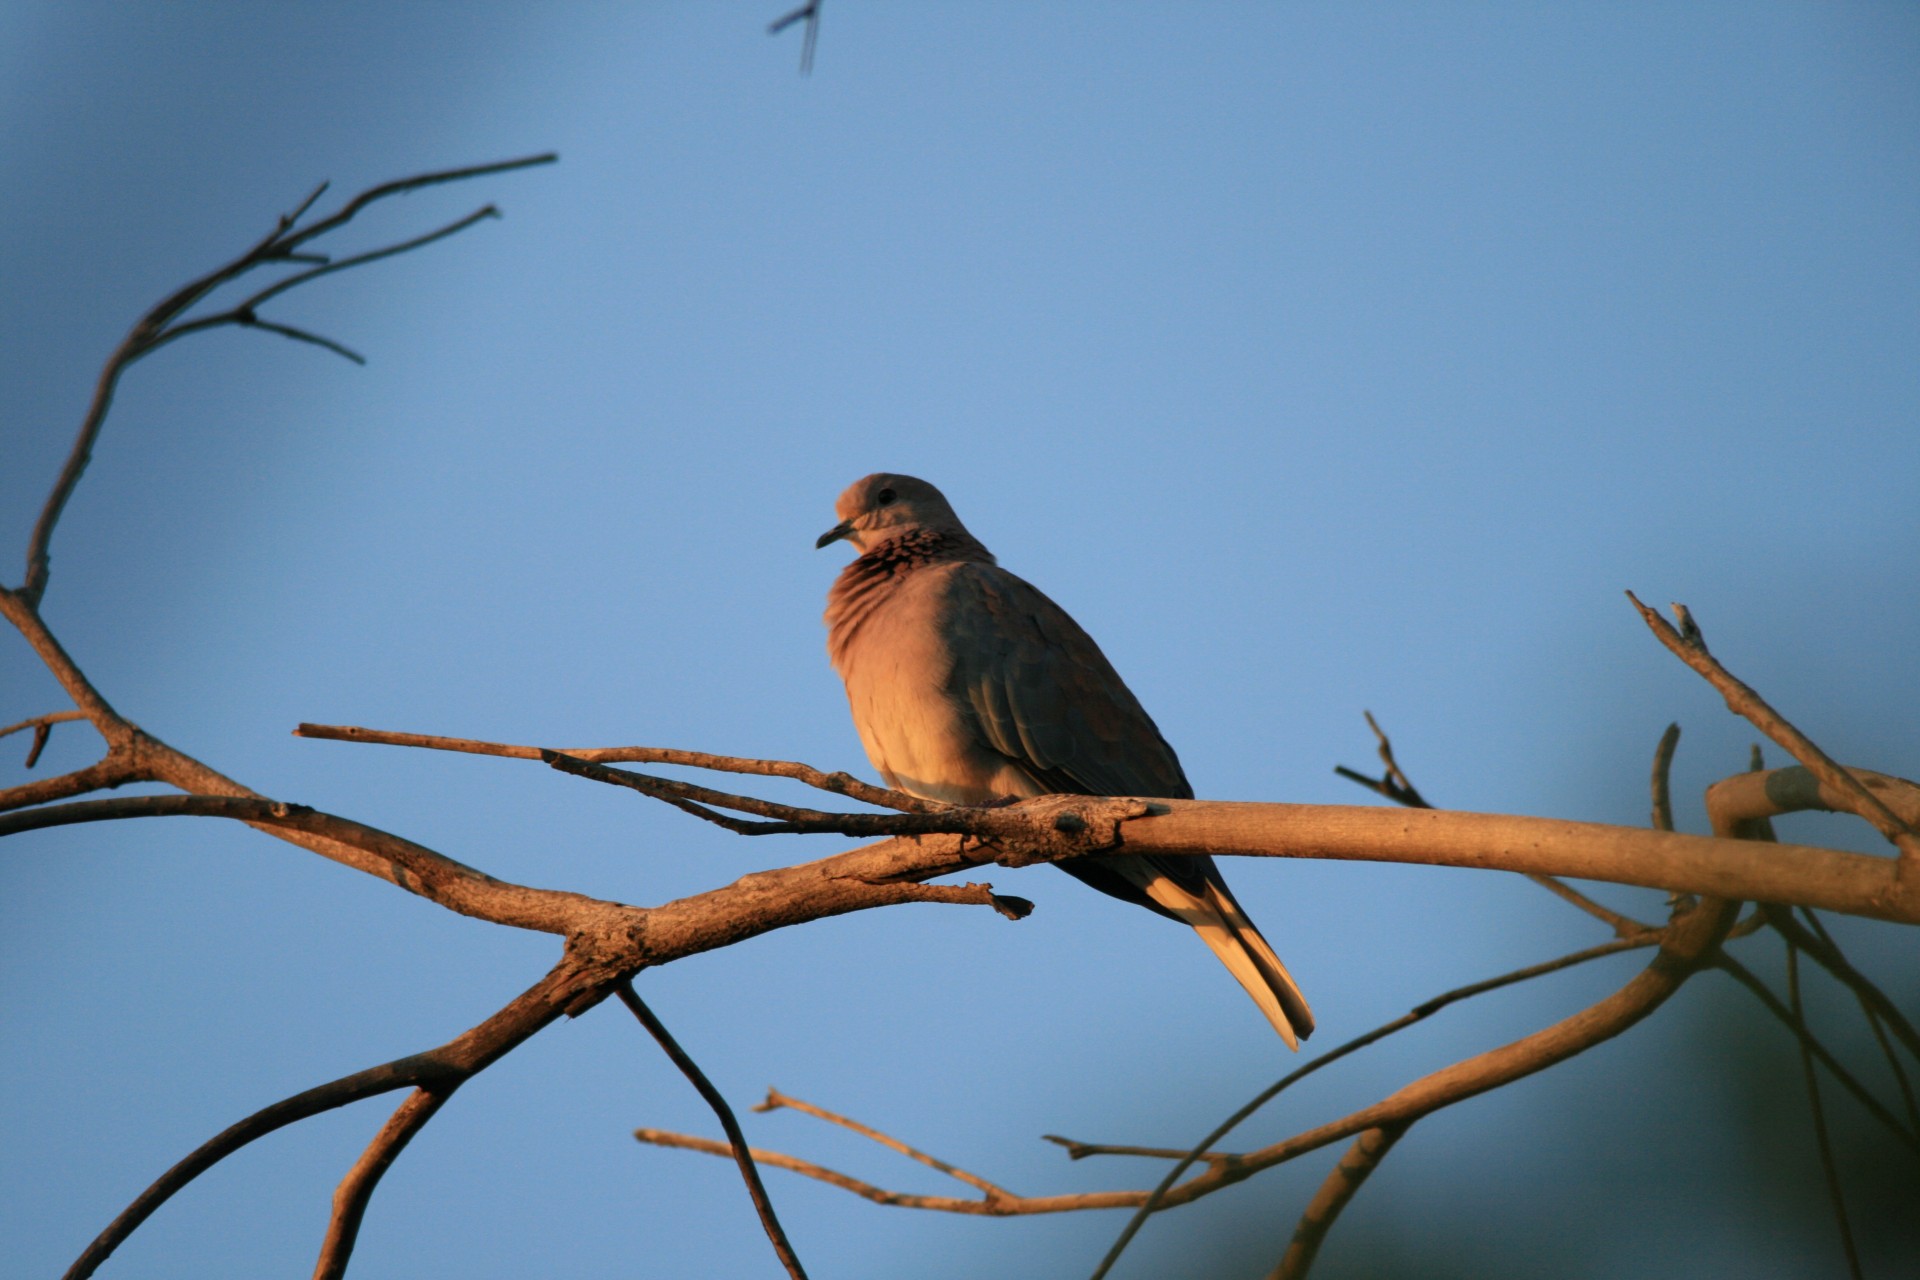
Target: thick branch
[1801,874]
[400,862]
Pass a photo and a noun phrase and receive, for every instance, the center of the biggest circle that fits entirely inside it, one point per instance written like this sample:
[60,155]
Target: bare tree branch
[157,328]
[1662,773]
[1748,979]
[1394,783]
[996,1201]
[808,13]
[844,784]
[42,727]
[1419,1013]
[1821,1138]
[742,1155]
[1690,646]
[356,1190]
[775,1100]
[400,862]
[441,1070]
[1396,786]
[1342,1184]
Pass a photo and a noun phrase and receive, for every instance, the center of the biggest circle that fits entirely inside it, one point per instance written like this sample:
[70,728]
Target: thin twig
[843,784]
[1418,1013]
[1662,773]
[810,14]
[1748,979]
[1623,926]
[742,1155]
[1872,1002]
[704,802]
[1077,1150]
[1821,948]
[351,1197]
[775,1100]
[1689,645]
[1396,786]
[1394,783]
[158,327]
[1822,1139]
[42,727]
[1339,1189]
[1231,1167]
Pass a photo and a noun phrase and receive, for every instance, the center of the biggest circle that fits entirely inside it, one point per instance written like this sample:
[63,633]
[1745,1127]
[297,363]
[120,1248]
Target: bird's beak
[839,531]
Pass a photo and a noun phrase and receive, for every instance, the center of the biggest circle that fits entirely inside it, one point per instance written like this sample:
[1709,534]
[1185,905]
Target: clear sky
[1317,359]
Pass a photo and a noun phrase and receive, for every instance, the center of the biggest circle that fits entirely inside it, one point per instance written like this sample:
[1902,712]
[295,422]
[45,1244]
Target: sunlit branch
[1688,644]
[1339,1189]
[844,784]
[355,1192]
[1396,786]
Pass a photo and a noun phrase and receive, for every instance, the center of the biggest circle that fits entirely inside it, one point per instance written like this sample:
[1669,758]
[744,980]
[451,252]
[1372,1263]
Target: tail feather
[1225,928]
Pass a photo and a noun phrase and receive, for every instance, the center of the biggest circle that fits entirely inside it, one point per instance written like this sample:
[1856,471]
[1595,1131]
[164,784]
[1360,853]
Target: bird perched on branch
[970,686]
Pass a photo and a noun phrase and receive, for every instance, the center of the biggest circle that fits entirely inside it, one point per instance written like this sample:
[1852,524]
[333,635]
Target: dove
[969,685]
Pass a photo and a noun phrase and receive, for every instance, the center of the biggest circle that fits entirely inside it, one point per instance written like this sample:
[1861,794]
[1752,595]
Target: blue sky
[1315,360]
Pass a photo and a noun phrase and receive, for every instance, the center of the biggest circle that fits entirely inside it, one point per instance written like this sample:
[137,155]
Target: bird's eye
[885,497]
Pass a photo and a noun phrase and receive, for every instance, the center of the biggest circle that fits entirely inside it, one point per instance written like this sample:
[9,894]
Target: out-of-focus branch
[1821,1138]
[1341,1185]
[1773,1004]
[440,1070]
[808,13]
[743,1157]
[1837,786]
[1818,946]
[161,325]
[1203,1150]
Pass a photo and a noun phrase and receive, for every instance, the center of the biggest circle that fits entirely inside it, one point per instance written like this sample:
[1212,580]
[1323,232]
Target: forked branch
[285,244]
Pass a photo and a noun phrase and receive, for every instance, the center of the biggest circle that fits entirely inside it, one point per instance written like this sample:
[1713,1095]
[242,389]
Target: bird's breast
[890,650]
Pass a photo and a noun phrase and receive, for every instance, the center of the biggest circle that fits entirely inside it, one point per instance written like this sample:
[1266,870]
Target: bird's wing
[1044,696]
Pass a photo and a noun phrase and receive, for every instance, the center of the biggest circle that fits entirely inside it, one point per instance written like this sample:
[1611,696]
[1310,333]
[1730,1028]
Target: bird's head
[883,506]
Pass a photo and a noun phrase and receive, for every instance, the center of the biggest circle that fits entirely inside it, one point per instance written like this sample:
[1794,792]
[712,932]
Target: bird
[968,685]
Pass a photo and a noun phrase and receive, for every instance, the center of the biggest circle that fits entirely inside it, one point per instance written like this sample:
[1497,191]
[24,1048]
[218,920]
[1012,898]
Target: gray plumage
[969,685]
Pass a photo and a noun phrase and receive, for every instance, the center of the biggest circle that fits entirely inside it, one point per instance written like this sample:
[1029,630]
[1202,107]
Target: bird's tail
[1223,925]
